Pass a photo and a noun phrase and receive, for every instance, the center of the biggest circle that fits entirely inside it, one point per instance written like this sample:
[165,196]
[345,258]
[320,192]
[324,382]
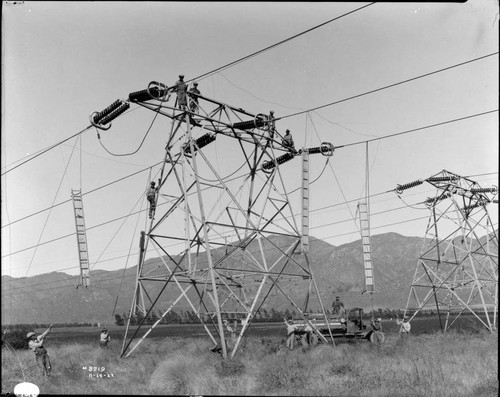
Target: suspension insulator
[326,149]
[258,122]
[479,203]
[400,188]
[484,190]
[140,96]
[115,113]
[100,119]
[203,140]
[452,179]
[97,116]
[430,201]
[267,165]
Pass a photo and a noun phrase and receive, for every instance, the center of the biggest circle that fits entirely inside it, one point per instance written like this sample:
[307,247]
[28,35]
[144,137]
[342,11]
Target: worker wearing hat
[42,358]
[338,306]
[105,338]
[271,127]
[287,141]
[151,196]
[290,333]
[180,88]
[377,336]
[193,99]
[405,327]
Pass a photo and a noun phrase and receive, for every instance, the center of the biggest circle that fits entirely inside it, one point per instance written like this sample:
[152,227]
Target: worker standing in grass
[290,333]
[377,337]
[338,307]
[42,358]
[232,333]
[405,328]
[105,338]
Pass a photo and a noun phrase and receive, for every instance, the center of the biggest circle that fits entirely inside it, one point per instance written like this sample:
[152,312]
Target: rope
[140,145]
[46,150]
[48,215]
[128,255]
[112,238]
[338,183]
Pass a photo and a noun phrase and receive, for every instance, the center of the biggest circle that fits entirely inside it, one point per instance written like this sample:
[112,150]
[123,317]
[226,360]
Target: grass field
[458,363]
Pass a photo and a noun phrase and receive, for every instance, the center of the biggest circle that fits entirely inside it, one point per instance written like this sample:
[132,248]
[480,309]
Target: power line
[48,216]
[133,275]
[46,150]
[420,128]
[388,86]
[84,194]
[379,227]
[206,75]
[324,238]
[122,217]
[277,44]
[342,146]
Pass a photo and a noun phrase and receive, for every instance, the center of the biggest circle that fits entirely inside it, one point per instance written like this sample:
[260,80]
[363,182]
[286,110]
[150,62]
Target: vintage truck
[350,326]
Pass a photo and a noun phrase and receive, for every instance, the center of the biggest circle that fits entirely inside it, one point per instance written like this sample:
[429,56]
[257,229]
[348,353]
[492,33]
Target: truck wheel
[309,339]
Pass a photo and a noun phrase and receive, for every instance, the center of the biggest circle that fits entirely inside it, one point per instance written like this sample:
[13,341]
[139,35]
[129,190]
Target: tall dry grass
[451,364]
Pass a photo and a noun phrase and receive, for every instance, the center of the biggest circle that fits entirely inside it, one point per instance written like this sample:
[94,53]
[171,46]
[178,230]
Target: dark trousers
[151,206]
[43,363]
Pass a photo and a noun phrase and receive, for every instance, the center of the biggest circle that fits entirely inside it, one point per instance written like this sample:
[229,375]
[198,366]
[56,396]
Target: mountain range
[338,270]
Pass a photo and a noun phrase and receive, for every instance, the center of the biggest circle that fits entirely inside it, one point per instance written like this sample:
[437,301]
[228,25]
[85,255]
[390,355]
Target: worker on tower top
[287,141]
[193,99]
[180,88]
[271,126]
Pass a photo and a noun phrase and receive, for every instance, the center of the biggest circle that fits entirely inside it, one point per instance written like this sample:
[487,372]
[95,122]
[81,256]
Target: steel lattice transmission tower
[457,271]
[224,237]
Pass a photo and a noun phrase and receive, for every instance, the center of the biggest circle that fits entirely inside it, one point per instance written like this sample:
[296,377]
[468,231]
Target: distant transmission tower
[224,236]
[457,271]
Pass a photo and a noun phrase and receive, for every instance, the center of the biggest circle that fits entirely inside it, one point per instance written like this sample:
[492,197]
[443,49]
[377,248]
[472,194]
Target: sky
[62,61]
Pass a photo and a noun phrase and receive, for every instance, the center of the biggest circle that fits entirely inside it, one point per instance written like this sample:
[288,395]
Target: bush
[232,367]
[283,372]
[16,337]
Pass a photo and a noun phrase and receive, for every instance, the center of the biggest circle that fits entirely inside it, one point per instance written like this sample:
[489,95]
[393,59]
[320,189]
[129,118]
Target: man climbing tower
[151,196]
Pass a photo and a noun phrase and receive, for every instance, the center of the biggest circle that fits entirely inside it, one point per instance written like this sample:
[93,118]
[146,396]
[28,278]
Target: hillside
[53,297]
